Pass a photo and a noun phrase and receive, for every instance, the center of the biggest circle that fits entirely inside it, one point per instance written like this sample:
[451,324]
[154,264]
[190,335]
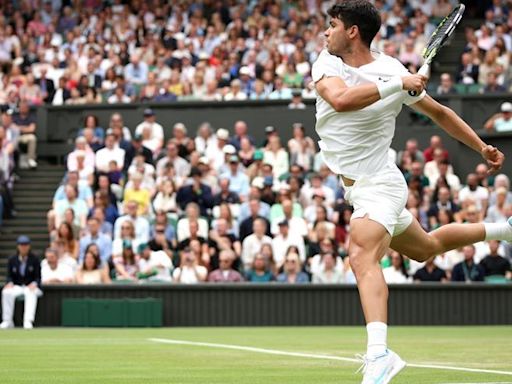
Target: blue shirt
[84,193]
[238,183]
[103,242]
[301,278]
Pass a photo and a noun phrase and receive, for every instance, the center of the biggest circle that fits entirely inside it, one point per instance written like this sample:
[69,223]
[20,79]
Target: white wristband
[389,87]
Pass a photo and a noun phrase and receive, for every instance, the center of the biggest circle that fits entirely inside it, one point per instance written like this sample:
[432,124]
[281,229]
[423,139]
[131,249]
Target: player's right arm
[344,98]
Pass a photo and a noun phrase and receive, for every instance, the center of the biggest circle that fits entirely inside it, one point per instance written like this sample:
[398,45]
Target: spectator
[474,193]
[23,278]
[192,213]
[292,270]
[285,239]
[241,132]
[154,265]
[328,274]
[53,271]
[430,272]
[140,223]
[494,264]
[396,273]
[225,273]
[260,271]
[276,156]
[435,142]
[92,271]
[469,68]
[189,271]
[135,192]
[26,124]
[197,192]
[492,85]
[165,200]
[179,164]
[238,180]
[255,212]
[497,213]
[235,91]
[65,242]
[110,153]
[253,243]
[467,270]
[446,86]
[46,85]
[72,201]
[94,235]
[296,102]
[502,121]
[301,148]
[432,167]
[126,264]
[151,132]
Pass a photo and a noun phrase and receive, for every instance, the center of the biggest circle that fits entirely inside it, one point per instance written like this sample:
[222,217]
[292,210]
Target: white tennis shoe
[381,369]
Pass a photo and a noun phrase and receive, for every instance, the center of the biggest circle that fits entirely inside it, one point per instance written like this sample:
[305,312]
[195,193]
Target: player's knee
[360,260]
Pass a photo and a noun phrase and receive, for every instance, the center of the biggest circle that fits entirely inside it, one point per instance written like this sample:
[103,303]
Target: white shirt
[105,155]
[393,276]
[188,276]
[62,272]
[280,246]
[252,246]
[141,227]
[478,195]
[159,260]
[356,143]
[156,140]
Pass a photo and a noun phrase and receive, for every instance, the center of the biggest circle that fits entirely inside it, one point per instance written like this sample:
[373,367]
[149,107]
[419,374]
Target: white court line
[322,357]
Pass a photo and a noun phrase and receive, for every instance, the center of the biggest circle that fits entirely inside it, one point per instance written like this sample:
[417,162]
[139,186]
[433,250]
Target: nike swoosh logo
[380,379]
[384,80]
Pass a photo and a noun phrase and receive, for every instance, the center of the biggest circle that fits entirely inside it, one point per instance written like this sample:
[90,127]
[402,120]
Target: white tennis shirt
[356,143]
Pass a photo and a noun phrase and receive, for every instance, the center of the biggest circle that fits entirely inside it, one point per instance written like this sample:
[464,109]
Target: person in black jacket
[23,278]
[467,270]
[196,192]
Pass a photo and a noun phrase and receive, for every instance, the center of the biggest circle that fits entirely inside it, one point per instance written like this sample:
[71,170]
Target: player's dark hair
[361,13]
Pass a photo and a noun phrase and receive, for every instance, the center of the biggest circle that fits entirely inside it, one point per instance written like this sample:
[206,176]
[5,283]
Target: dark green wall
[278,304]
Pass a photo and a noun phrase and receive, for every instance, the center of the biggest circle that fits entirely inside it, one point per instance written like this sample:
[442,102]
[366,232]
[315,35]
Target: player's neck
[357,56]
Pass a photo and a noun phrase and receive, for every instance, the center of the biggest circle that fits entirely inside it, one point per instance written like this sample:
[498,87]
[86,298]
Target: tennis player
[360,94]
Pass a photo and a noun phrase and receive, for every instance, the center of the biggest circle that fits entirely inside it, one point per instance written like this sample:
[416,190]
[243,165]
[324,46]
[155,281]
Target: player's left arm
[450,122]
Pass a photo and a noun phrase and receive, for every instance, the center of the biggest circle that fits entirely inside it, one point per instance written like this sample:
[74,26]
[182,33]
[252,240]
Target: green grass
[107,356]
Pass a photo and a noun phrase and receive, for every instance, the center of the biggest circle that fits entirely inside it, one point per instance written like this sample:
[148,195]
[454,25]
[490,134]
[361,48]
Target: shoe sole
[395,371]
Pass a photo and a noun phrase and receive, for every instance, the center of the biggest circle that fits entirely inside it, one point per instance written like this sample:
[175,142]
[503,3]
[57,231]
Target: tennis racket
[440,36]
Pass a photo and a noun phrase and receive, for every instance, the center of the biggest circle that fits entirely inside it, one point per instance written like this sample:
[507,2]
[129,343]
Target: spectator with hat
[151,131]
[196,192]
[269,131]
[23,278]
[502,121]
[154,265]
[238,180]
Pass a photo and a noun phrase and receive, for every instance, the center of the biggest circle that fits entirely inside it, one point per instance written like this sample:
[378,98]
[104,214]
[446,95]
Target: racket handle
[424,70]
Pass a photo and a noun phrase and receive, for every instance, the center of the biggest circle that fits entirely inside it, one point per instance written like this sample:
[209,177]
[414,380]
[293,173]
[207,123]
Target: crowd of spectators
[219,206]
[75,52]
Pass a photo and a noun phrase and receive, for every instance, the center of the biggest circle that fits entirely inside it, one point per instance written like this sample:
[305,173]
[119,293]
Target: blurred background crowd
[211,203]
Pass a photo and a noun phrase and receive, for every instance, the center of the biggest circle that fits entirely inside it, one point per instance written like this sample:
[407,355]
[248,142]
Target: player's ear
[353,31]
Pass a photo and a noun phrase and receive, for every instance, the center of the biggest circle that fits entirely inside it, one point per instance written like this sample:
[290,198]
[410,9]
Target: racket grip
[424,70]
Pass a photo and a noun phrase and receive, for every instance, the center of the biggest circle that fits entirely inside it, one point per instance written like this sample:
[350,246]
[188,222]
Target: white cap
[222,134]
[228,149]
[257,182]
[506,107]
[245,71]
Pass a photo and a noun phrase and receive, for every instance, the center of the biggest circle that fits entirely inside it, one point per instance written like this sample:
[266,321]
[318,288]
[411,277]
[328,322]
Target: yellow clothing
[142,197]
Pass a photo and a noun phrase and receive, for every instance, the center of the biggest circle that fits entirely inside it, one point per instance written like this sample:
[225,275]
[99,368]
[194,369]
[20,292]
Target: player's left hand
[494,158]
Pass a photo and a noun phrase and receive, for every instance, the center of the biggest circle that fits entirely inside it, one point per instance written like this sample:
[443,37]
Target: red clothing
[429,154]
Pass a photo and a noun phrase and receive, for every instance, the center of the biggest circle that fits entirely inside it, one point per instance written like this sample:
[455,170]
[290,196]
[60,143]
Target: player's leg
[369,241]
[419,245]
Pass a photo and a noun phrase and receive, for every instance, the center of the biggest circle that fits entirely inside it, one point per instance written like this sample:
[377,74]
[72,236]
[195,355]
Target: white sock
[377,339]
[498,231]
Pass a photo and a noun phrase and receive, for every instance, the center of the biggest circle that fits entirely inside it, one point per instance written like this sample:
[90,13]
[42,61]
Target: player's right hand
[415,83]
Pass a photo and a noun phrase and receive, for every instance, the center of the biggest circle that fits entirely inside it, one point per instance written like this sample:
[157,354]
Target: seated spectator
[81,146]
[238,180]
[126,264]
[196,192]
[92,122]
[246,225]
[225,195]
[23,278]
[189,271]
[296,102]
[92,271]
[225,273]
[469,68]
[444,175]
[136,193]
[435,142]
[396,273]
[235,92]
[103,203]
[192,213]
[494,264]
[65,242]
[497,213]
[154,265]
[501,180]
[94,235]
[467,270]
[260,271]
[292,270]
[282,241]
[164,235]
[26,124]
[155,132]
[296,223]
[492,85]
[328,273]
[301,148]
[180,165]
[446,86]
[72,201]
[502,121]
[276,156]
[165,200]
[474,193]
[146,170]
[251,245]
[141,224]
[430,272]
[109,153]
[442,201]
[53,271]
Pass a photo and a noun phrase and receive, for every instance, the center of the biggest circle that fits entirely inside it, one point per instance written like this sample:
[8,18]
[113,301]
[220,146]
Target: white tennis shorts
[382,196]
